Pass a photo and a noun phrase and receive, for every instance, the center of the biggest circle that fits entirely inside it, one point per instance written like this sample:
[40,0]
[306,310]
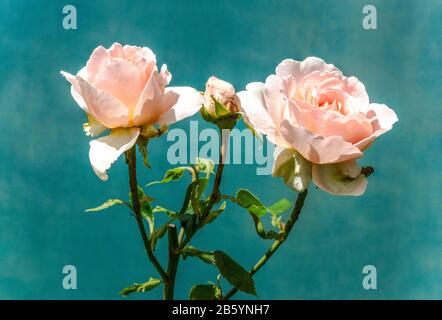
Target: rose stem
[277,243]
[174,258]
[214,196]
[132,166]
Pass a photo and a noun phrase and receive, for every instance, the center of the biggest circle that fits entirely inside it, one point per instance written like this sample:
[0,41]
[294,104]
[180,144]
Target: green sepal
[142,147]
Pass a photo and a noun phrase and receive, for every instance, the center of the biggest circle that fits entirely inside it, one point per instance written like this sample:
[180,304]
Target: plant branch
[174,258]
[277,243]
[132,167]
[214,196]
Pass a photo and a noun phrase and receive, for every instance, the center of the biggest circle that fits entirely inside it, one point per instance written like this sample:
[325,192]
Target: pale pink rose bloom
[121,89]
[223,92]
[312,112]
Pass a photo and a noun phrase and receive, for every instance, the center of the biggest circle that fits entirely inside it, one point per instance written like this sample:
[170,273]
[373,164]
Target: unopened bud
[224,93]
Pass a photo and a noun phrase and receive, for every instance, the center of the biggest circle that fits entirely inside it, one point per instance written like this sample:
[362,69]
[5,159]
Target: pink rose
[320,120]
[121,89]
[223,92]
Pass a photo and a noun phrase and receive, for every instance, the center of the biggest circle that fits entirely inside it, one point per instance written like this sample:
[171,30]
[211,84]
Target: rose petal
[97,62]
[318,149]
[116,50]
[153,102]
[105,151]
[93,127]
[326,81]
[341,179]
[189,102]
[293,168]
[382,118]
[105,108]
[254,107]
[75,90]
[275,101]
[351,128]
[300,69]
[165,75]
[123,80]
[385,116]
[356,89]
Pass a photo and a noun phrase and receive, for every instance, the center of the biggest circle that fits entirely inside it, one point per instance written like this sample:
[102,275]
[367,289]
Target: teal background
[46,181]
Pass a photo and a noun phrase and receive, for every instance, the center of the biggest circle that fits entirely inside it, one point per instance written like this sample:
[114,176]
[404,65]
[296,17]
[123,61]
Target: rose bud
[222,92]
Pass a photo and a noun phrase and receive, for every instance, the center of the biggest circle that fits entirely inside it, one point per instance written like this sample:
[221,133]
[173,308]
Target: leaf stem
[277,243]
[132,167]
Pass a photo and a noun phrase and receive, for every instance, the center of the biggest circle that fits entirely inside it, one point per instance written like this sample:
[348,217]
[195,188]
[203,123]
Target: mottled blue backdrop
[46,181]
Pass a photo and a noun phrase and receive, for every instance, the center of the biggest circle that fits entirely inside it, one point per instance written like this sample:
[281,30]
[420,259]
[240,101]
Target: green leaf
[170,175]
[198,206]
[205,166]
[202,184]
[277,223]
[234,273]
[157,234]
[214,214]
[205,292]
[259,226]
[279,207]
[143,197]
[170,213]
[189,192]
[188,222]
[152,283]
[147,213]
[256,210]
[107,204]
[146,208]
[205,256]
[249,201]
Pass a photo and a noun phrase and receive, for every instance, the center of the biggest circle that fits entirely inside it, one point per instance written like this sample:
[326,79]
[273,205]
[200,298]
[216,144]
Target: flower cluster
[320,120]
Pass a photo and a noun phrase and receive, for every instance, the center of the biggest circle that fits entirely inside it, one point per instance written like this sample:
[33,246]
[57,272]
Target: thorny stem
[214,196]
[277,243]
[132,167]
[174,258]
